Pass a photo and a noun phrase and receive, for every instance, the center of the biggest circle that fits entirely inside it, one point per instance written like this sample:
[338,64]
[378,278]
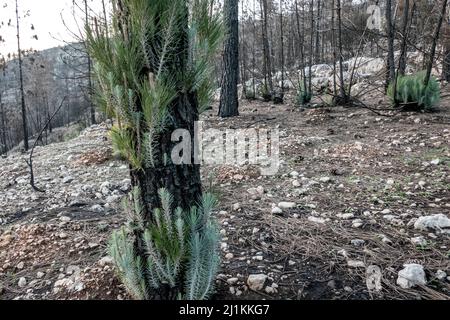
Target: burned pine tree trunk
[333,44]
[436,36]
[301,48]
[343,98]
[229,100]
[279,98]
[446,44]
[317,57]
[268,82]
[89,75]
[446,67]
[22,92]
[390,71]
[181,181]
[403,51]
[3,128]
[154,75]
[254,94]
[404,46]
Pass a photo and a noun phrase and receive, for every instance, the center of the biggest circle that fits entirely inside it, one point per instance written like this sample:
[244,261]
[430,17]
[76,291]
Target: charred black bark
[437,33]
[390,72]
[229,100]
[182,181]
[446,67]
[22,92]
[89,63]
[404,49]
[267,53]
[3,130]
[343,98]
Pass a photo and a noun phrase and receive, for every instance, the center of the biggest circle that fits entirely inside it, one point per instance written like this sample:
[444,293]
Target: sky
[45,16]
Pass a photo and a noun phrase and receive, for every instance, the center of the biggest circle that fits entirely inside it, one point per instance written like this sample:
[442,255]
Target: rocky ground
[359,210]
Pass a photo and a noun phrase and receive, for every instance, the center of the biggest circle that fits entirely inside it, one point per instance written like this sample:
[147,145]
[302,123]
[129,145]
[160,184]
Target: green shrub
[265,93]
[412,92]
[302,97]
[249,94]
[181,250]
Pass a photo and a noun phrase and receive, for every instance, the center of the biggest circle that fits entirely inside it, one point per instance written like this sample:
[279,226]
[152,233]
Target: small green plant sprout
[412,93]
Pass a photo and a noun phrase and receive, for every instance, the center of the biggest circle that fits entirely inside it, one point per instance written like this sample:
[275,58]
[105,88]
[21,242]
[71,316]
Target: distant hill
[49,75]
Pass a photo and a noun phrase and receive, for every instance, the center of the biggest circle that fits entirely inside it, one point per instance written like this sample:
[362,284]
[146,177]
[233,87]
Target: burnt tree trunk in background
[403,52]
[435,40]
[267,55]
[254,51]
[3,128]
[343,98]
[89,63]
[311,46]
[333,44]
[317,47]
[404,49]
[229,100]
[22,92]
[446,40]
[279,96]
[446,67]
[243,64]
[390,72]
[301,44]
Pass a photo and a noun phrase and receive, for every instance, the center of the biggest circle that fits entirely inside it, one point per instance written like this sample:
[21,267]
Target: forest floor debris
[339,221]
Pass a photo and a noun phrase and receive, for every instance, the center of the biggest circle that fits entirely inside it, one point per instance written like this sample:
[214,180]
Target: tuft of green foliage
[411,91]
[302,97]
[178,245]
[265,92]
[250,94]
[157,52]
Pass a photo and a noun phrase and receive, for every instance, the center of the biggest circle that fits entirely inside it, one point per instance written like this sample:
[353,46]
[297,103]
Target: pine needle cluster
[412,92]
[158,50]
[180,250]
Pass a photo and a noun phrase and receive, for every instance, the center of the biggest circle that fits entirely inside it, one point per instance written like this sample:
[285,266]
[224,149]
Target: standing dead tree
[343,98]
[390,72]
[280,97]
[22,92]
[435,40]
[229,100]
[268,83]
[89,63]
[3,128]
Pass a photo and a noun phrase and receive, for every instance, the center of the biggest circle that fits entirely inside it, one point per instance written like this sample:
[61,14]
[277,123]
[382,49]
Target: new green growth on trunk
[179,245]
[159,50]
[154,75]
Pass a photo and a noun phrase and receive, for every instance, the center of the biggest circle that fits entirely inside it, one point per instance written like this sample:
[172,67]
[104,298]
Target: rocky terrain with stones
[359,209]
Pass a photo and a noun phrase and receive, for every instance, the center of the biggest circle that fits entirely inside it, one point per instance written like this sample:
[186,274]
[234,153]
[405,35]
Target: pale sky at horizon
[45,15]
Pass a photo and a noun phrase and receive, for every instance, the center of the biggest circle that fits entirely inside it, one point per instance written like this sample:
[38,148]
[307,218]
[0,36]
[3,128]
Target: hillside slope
[349,194]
